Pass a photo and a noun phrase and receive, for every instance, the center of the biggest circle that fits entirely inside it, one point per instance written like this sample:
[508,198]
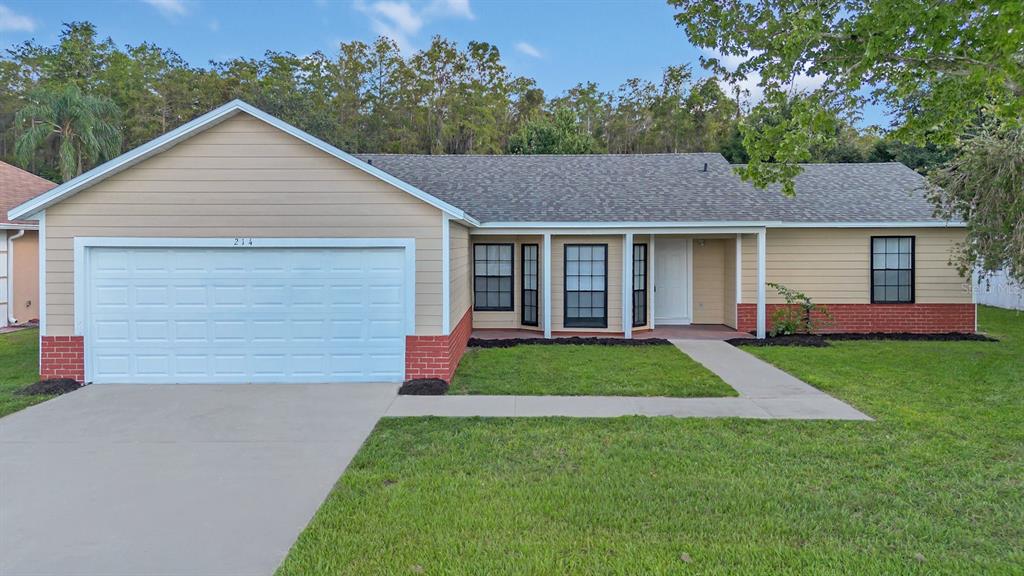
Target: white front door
[671,281]
[237,315]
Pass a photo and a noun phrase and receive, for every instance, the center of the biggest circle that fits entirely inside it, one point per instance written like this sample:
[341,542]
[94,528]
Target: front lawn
[19,367]
[934,486]
[585,370]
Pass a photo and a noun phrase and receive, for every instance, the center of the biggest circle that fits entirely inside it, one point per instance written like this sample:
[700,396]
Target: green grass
[586,370]
[19,367]
[934,486]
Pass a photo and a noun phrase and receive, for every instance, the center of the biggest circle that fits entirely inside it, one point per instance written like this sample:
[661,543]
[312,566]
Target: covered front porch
[636,282]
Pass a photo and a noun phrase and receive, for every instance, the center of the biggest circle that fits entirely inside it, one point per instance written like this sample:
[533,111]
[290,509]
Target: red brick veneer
[62,357]
[863,318]
[437,356]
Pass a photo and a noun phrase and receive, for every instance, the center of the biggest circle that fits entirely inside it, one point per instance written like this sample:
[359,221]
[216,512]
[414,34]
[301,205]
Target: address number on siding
[243,242]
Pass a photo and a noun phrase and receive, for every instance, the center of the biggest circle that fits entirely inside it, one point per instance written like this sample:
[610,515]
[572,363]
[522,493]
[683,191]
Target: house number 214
[243,241]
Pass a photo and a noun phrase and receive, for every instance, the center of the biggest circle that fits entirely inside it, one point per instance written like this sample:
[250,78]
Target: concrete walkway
[764,392]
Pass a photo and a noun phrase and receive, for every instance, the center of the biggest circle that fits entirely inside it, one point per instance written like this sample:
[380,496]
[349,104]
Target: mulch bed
[820,341]
[52,387]
[809,340]
[424,387]
[568,341]
[947,337]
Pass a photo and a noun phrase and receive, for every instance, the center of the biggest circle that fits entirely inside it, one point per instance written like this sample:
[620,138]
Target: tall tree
[943,68]
[80,127]
[559,134]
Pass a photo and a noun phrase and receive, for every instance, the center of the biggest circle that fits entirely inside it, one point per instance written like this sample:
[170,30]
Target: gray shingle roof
[655,188]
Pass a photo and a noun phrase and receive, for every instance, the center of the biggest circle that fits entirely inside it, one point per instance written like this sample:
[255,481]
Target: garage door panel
[196,315]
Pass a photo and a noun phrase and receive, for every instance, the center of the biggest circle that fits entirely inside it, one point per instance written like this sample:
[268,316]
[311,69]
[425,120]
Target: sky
[559,43]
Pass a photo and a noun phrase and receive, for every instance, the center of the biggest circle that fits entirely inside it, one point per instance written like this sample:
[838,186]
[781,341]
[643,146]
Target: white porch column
[627,285]
[652,289]
[547,285]
[761,241]
[739,269]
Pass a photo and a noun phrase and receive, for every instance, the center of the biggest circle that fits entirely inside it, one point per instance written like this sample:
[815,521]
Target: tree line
[69,106]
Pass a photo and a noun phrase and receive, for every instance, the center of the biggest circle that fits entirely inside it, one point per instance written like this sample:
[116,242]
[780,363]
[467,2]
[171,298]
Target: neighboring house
[19,247]
[1001,291]
[237,248]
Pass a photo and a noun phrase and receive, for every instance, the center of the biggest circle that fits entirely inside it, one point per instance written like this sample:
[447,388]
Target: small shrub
[799,316]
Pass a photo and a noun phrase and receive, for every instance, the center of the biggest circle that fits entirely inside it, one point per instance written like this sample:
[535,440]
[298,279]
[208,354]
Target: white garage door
[237,315]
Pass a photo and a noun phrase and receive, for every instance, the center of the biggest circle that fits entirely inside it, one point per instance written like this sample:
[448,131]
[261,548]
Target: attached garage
[239,249]
[245,310]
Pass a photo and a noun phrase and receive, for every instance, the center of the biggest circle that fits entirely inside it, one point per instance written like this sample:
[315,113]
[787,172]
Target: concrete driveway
[197,480]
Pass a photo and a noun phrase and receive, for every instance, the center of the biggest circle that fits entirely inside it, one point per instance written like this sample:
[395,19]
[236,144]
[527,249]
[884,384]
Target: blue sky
[557,42]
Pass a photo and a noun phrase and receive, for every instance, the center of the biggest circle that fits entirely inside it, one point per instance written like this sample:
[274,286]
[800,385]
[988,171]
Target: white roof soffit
[721,224]
[185,131]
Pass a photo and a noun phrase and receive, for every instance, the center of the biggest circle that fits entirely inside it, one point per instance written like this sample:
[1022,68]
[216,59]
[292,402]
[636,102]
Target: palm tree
[82,127]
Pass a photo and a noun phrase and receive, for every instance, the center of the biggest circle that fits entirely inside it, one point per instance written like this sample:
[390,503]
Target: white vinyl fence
[999,290]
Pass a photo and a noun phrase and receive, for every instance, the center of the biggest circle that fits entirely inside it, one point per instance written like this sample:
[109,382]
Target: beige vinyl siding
[729,286]
[708,281]
[25,299]
[614,285]
[4,296]
[832,265]
[459,280]
[242,178]
[510,319]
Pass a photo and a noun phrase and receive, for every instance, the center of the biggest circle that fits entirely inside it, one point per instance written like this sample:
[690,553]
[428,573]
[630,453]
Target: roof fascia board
[660,226]
[203,122]
[19,226]
[627,225]
[925,224]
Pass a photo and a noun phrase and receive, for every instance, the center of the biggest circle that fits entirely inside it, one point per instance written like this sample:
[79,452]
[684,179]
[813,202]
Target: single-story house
[238,248]
[19,247]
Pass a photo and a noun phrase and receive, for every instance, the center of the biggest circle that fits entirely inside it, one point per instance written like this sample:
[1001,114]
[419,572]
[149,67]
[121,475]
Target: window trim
[645,289]
[872,269]
[522,284]
[511,276]
[590,322]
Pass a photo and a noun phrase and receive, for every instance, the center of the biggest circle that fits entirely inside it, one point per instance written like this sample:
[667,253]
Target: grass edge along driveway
[585,370]
[932,487]
[19,367]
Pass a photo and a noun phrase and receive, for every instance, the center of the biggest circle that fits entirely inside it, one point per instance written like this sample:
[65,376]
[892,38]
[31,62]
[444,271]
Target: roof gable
[204,122]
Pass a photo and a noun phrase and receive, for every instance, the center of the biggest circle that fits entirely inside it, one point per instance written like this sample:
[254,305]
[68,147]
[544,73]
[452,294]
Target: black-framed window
[586,285]
[529,284]
[892,269]
[492,277]
[639,284]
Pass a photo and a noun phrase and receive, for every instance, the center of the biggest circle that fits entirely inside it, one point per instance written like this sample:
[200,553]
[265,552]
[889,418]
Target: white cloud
[529,50]
[214,25]
[400,15]
[168,8]
[457,8]
[750,91]
[401,21]
[11,21]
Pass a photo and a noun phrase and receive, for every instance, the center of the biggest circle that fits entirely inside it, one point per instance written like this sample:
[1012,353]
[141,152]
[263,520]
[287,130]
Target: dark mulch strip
[50,387]
[820,341]
[569,341]
[947,337]
[809,340]
[424,387]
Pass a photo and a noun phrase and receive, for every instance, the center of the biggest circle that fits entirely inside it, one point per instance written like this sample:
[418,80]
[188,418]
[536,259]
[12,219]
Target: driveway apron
[169,480]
